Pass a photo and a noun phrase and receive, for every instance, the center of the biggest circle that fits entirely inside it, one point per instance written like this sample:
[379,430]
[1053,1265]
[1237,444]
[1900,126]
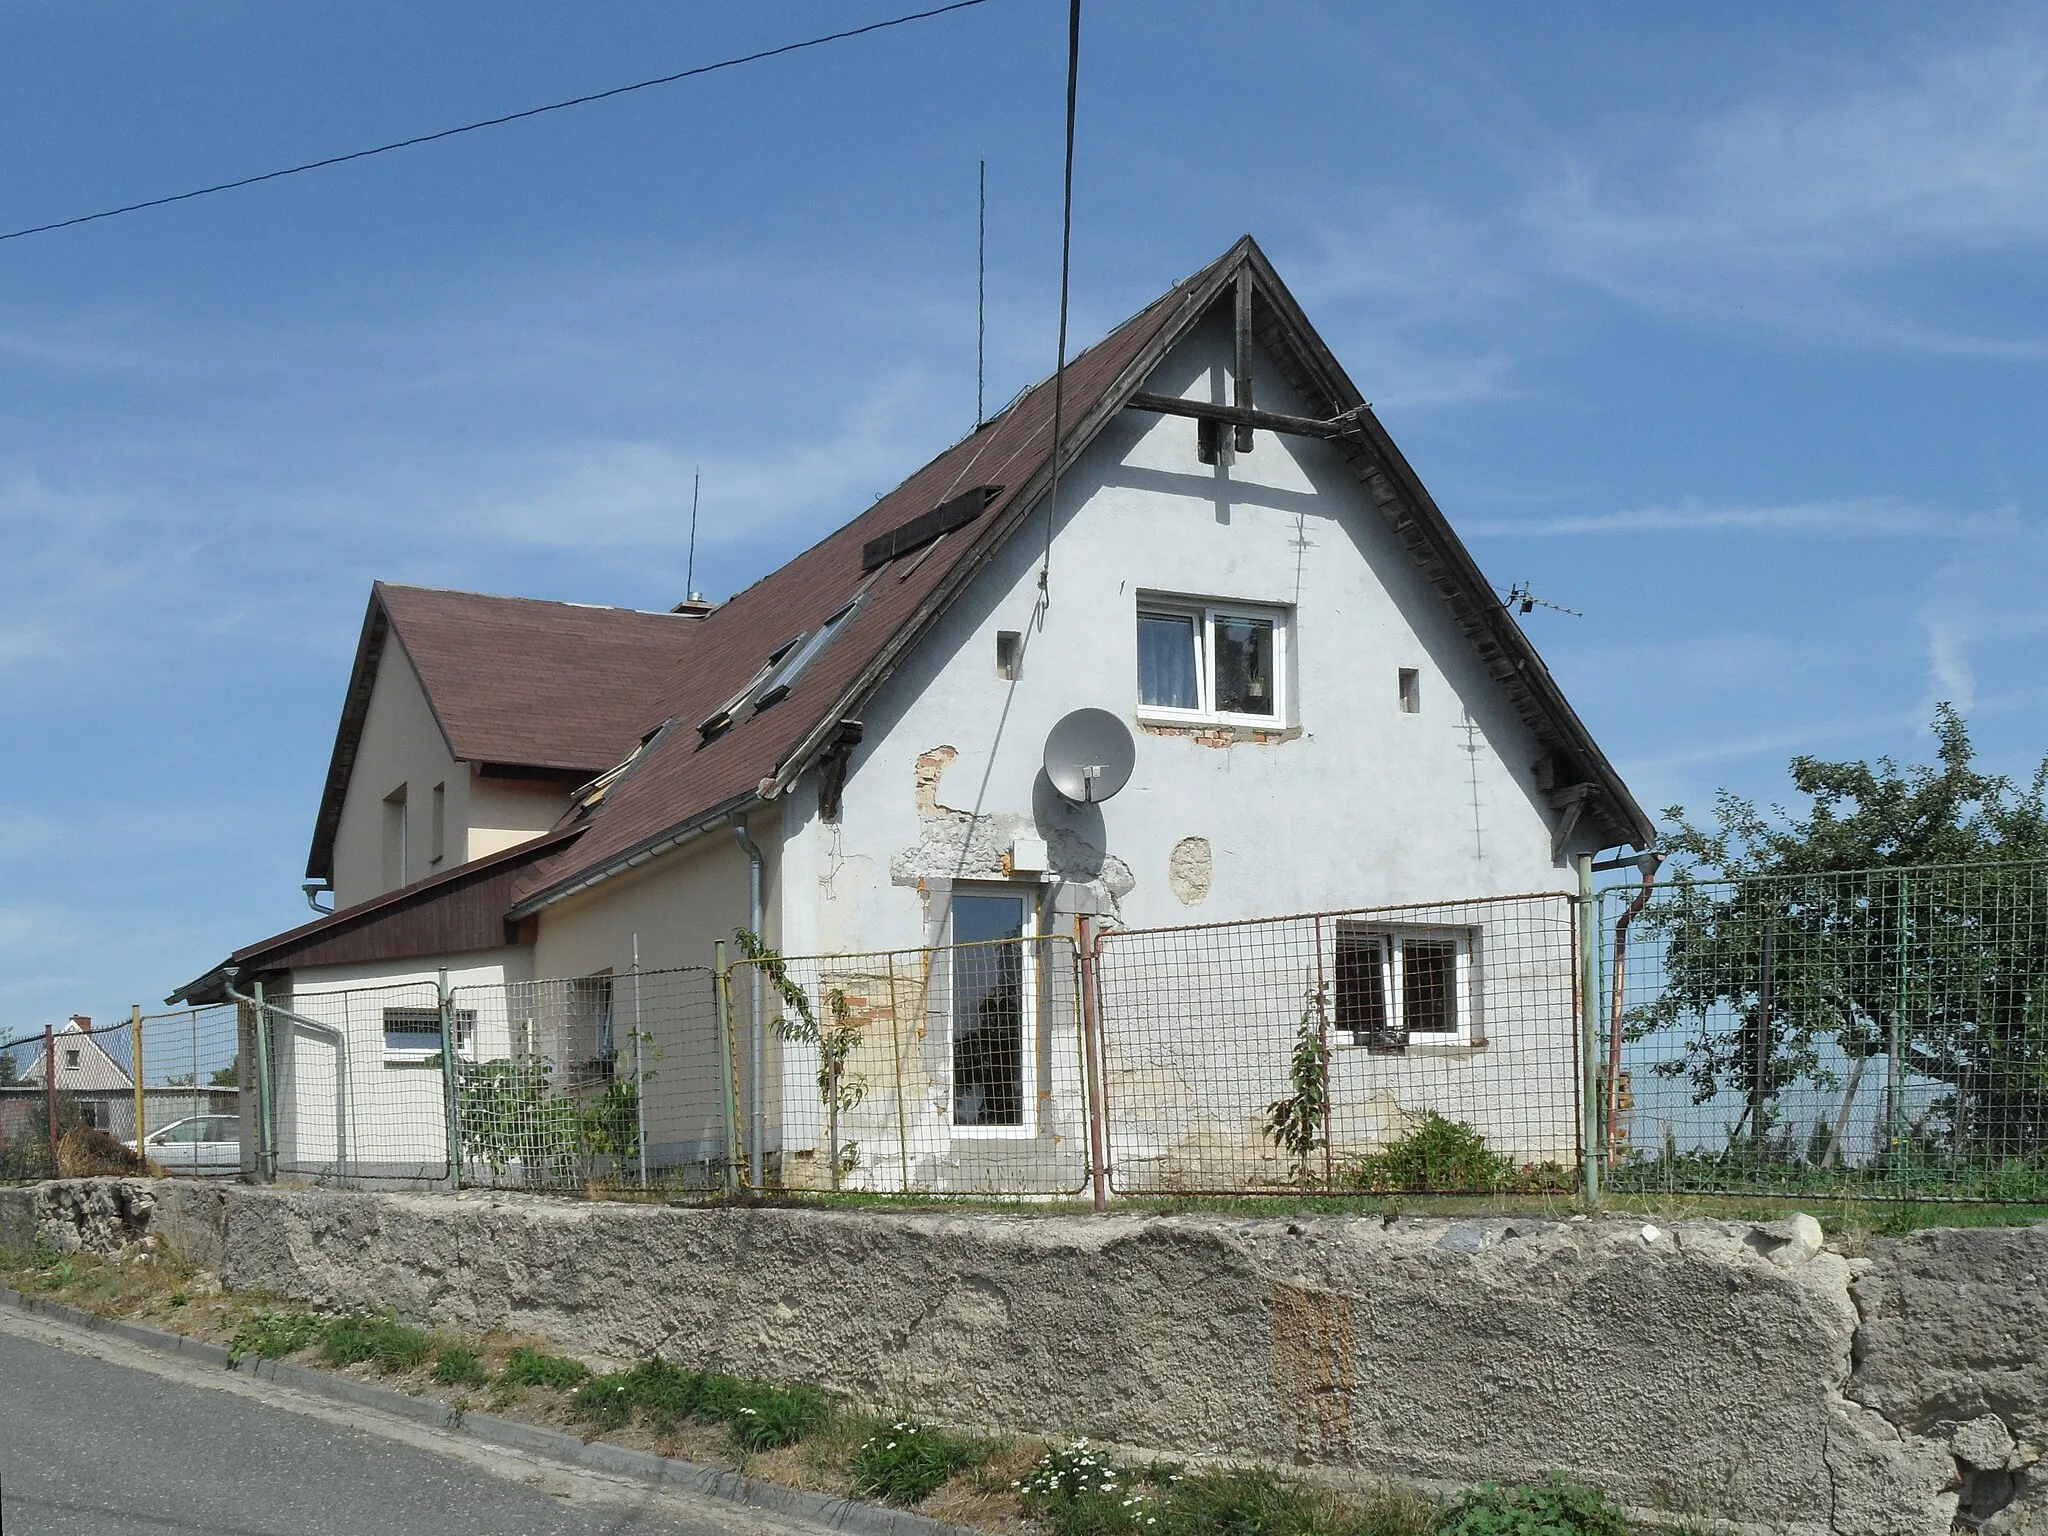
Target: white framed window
[1401,986]
[414,1034]
[1203,661]
[993,1006]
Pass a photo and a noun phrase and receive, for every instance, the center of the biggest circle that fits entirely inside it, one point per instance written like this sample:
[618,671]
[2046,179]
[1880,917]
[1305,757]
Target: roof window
[785,664]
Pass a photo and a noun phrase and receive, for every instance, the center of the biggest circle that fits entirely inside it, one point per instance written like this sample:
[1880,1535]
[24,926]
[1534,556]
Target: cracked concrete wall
[1712,1369]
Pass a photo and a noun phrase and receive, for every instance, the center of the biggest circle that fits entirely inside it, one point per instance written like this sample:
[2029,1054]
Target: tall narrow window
[440,828]
[990,985]
[395,860]
[1009,653]
[1410,683]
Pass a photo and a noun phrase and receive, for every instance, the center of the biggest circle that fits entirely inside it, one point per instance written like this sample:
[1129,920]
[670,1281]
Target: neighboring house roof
[454,912]
[514,683]
[96,1071]
[684,782]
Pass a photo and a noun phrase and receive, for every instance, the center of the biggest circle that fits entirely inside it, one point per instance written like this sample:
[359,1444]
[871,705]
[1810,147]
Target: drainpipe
[755,1112]
[340,1040]
[1649,863]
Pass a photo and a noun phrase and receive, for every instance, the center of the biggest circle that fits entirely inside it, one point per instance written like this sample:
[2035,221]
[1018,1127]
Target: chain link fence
[1882,1034]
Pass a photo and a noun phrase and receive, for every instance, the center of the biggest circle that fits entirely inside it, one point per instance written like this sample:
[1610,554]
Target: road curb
[512,1434]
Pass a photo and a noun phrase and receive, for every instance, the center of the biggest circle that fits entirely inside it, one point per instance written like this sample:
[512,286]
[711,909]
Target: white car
[200,1144]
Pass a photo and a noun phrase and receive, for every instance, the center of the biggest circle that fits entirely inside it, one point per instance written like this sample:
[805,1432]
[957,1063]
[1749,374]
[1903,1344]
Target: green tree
[1777,942]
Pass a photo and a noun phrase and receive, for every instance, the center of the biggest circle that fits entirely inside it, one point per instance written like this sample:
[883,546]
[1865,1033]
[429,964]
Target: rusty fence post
[1093,1061]
[135,1042]
[50,1092]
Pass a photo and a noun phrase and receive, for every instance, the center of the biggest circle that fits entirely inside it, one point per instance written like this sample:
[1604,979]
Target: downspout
[755,1111]
[340,1056]
[1649,863]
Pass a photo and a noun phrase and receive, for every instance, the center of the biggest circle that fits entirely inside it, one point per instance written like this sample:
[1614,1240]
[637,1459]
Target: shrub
[530,1368]
[906,1462]
[273,1335]
[1552,1507]
[391,1345]
[1438,1154]
[456,1365]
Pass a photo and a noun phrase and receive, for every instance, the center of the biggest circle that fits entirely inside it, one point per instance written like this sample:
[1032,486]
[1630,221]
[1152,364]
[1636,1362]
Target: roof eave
[642,852]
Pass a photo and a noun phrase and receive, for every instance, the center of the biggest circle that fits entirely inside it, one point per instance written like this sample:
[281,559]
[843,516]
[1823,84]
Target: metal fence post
[728,1066]
[50,1092]
[1894,1088]
[1589,1055]
[266,1091]
[1092,1061]
[639,1076]
[451,1113]
[135,1029]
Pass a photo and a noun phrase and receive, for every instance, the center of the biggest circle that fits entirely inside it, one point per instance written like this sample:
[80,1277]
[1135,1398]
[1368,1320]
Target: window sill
[1451,1046]
[996,1132]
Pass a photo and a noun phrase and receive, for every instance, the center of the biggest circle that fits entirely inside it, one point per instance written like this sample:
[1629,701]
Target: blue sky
[1726,325]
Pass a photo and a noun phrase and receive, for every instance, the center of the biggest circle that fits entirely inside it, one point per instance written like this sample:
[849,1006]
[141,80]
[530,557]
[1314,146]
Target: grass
[384,1342]
[663,1395]
[457,1365]
[532,1368]
[905,1462]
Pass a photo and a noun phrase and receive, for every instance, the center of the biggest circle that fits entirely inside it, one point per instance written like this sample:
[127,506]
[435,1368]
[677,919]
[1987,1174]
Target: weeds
[906,1462]
[530,1368]
[388,1344]
[457,1365]
[761,1417]
[1437,1154]
[273,1335]
[1552,1507]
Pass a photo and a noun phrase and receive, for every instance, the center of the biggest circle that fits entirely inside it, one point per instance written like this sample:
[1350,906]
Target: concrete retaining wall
[1711,1369]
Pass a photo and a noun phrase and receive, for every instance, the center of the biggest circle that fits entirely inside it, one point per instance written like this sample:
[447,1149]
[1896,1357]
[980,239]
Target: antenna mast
[690,570]
[981,297]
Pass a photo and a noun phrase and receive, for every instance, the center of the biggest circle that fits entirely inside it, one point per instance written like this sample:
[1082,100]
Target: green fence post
[1589,1045]
[721,981]
[450,1108]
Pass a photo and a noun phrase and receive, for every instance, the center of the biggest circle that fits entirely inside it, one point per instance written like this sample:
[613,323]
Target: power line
[494,122]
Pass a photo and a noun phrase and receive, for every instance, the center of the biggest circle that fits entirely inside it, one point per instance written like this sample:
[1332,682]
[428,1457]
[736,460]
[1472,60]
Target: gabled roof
[687,780]
[457,911]
[513,682]
[96,1072]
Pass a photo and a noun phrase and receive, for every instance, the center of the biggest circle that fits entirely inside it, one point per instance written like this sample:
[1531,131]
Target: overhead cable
[495,122]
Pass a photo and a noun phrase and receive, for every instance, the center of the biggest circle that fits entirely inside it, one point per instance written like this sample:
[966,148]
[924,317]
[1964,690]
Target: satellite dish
[1089,755]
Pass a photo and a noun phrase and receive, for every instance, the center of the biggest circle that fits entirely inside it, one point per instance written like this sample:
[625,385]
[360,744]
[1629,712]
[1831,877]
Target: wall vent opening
[1009,653]
[1411,691]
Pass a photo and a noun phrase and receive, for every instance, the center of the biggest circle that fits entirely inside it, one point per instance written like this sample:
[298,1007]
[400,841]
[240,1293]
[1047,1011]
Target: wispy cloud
[1851,517]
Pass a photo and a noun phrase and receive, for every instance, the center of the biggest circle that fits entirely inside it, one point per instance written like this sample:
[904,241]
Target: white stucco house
[1331,706]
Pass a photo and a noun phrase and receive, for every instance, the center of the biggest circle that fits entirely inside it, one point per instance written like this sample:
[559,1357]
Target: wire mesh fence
[1882,1033]
[1427,1048]
[955,1070]
[595,1083]
[71,1098]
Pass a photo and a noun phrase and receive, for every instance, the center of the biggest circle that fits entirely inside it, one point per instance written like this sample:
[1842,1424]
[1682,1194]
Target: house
[98,1086]
[1331,709]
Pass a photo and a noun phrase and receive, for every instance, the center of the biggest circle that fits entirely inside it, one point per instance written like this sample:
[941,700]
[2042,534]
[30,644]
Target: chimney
[81,1021]
[695,606]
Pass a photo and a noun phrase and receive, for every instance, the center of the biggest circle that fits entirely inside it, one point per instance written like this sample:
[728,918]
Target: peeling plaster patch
[1190,870]
[953,844]
[1224,735]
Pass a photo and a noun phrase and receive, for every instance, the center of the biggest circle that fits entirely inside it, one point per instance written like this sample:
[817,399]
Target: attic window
[71,1056]
[1410,682]
[943,518]
[784,677]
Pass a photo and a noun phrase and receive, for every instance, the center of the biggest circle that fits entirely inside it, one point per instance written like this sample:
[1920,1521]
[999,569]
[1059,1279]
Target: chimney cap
[695,606]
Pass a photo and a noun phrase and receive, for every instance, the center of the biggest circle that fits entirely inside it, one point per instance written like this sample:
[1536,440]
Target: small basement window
[1211,662]
[413,1034]
[1411,691]
[1402,987]
[1009,653]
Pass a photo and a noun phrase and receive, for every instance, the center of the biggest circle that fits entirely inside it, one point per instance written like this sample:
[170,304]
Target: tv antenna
[1523,600]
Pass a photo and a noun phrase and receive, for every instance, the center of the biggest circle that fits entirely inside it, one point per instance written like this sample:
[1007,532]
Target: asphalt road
[97,1438]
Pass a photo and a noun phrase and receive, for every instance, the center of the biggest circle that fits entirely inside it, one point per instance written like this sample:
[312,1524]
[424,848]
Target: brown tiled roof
[513,681]
[684,782]
[683,778]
